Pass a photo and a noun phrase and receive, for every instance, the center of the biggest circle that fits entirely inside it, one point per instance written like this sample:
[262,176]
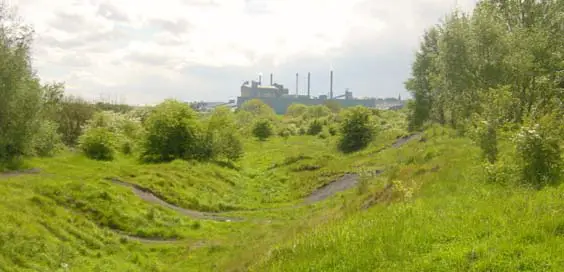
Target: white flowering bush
[538,151]
[126,129]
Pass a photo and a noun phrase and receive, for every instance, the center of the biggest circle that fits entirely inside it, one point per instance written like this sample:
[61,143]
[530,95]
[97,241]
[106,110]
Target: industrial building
[278,97]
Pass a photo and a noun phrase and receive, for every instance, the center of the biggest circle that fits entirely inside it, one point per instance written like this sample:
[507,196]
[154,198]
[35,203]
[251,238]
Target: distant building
[278,97]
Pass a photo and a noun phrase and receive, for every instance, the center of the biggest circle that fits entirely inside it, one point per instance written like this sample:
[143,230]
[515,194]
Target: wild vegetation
[467,178]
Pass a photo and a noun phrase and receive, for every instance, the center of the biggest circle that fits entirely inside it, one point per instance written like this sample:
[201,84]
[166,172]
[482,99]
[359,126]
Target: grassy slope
[70,215]
[453,222]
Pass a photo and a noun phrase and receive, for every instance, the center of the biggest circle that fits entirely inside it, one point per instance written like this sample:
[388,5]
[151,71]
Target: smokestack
[271,79]
[331,86]
[297,79]
[308,84]
[260,79]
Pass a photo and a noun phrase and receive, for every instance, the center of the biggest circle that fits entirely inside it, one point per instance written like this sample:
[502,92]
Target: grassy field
[439,215]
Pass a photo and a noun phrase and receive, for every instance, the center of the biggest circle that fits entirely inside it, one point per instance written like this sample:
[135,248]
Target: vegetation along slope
[467,178]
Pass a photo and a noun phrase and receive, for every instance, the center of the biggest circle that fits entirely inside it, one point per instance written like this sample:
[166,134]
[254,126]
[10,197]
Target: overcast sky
[146,51]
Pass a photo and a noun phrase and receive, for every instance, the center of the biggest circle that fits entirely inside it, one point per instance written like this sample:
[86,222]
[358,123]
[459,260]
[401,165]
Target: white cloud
[102,45]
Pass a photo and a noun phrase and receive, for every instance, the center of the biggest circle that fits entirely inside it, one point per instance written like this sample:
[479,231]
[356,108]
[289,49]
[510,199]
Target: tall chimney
[297,78]
[260,79]
[271,79]
[331,86]
[308,84]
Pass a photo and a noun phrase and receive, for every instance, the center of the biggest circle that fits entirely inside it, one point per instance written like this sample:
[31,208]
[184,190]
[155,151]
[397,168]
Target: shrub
[222,133]
[258,108]
[323,135]
[538,150]
[315,127]
[98,144]
[171,133]
[232,147]
[47,141]
[296,110]
[333,130]
[356,131]
[486,137]
[262,129]
[318,111]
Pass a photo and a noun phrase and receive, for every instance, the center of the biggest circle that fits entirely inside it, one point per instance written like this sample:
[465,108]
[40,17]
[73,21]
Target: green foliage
[47,141]
[486,136]
[356,131]
[257,108]
[333,130]
[538,149]
[126,129]
[98,143]
[73,115]
[20,91]
[315,127]
[172,132]
[333,105]
[263,129]
[225,137]
[317,111]
[296,110]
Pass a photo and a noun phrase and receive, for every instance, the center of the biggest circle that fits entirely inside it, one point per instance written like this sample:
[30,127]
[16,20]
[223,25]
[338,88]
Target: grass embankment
[445,218]
[70,216]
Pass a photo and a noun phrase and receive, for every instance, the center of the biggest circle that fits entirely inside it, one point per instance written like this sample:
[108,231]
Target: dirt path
[349,181]
[148,196]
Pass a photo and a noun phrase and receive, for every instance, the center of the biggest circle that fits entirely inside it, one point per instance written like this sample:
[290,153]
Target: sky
[141,52]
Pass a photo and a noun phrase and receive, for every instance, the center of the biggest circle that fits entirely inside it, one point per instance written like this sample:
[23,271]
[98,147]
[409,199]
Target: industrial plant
[278,97]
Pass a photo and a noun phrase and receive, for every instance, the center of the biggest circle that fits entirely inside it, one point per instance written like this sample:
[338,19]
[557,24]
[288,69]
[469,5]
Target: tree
[262,129]
[356,129]
[72,117]
[172,132]
[20,90]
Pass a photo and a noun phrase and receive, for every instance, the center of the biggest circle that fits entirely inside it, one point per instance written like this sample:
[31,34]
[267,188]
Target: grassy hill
[417,203]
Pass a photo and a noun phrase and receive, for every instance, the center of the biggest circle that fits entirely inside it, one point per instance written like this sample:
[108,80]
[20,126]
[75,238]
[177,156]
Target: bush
[258,108]
[262,129]
[315,127]
[296,110]
[485,135]
[226,142]
[323,135]
[47,141]
[318,111]
[98,144]
[171,133]
[538,150]
[356,131]
[333,130]
[232,147]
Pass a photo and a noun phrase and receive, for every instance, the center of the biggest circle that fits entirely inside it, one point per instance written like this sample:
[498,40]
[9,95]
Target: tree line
[497,70]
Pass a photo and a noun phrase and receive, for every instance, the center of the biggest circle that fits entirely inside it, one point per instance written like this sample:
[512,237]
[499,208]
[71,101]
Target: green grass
[453,222]
[440,215]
